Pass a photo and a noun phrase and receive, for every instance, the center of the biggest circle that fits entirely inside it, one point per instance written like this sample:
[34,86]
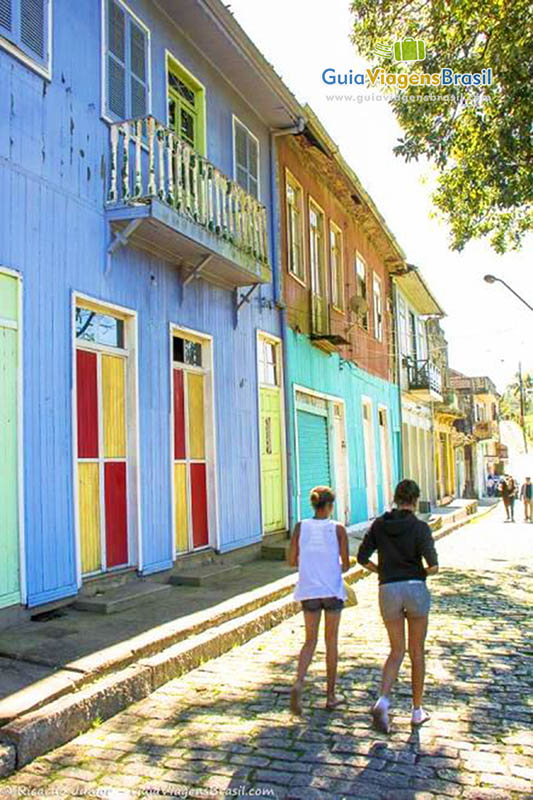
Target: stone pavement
[224,729]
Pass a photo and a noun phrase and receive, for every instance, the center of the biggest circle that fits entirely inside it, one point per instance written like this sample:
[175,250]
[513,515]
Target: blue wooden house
[141,410]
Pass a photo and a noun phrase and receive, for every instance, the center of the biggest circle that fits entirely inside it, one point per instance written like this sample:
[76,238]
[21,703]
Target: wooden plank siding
[54,158]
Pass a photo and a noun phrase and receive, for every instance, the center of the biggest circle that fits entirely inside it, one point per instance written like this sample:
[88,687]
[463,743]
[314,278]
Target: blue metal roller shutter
[313,456]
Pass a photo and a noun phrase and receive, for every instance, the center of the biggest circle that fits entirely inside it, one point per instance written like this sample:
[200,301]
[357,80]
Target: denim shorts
[326,603]
[404,599]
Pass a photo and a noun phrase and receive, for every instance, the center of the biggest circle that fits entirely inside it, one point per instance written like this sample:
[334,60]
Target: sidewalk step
[275,551]
[204,574]
[129,595]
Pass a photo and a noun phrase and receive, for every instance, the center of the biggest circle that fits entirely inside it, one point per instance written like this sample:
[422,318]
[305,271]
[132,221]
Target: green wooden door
[271,459]
[9,506]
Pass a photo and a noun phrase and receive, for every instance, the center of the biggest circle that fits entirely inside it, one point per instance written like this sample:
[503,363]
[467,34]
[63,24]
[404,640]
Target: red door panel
[116,513]
[200,532]
[87,386]
[179,415]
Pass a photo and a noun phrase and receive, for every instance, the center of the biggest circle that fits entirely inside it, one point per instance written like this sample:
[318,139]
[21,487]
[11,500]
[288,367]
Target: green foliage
[482,141]
[510,401]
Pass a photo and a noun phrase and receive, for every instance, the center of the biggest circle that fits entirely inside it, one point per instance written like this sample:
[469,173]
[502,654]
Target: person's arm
[294,549]
[428,551]
[342,538]
[366,549]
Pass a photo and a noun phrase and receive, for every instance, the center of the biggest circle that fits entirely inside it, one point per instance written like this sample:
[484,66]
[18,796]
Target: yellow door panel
[181,518]
[89,510]
[271,459]
[195,391]
[114,406]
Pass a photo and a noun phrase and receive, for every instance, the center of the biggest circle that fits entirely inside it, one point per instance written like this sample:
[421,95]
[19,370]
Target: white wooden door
[384,443]
[370,460]
[341,477]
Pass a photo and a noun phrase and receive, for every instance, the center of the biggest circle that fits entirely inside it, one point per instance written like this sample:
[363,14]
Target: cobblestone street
[225,726]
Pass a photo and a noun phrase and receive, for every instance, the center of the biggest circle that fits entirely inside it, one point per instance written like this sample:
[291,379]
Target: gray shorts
[404,599]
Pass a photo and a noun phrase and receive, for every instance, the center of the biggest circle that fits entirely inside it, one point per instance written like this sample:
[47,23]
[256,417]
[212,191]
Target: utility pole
[522,405]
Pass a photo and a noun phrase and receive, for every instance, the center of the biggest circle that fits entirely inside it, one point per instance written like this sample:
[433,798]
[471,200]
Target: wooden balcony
[424,379]
[487,429]
[166,199]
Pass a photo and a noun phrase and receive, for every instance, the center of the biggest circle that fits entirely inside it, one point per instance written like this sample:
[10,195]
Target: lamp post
[494,279]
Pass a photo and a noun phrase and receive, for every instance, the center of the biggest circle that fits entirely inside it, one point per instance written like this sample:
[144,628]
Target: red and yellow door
[101,371]
[192,435]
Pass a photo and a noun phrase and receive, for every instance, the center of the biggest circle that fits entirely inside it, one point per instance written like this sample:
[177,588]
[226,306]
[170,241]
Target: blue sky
[488,330]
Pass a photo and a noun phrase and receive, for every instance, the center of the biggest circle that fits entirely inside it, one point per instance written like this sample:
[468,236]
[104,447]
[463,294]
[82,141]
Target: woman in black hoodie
[402,540]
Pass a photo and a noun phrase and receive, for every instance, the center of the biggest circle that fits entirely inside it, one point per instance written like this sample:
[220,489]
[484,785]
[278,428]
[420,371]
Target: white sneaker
[419,716]
[380,715]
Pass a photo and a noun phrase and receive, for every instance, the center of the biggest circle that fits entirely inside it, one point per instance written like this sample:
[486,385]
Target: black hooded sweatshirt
[401,540]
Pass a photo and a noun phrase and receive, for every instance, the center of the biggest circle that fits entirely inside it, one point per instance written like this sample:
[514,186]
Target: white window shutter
[33,26]
[116,60]
[138,67]
[253,166]
[6,15]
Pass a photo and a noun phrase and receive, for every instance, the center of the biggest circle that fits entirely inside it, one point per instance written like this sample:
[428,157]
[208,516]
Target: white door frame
[260,334]
[210,442]
[330,399]
[135,552]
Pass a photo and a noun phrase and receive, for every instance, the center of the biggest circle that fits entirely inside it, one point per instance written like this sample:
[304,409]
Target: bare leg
[332,637]
[380,711]
[312,621]
[417,627]
[396,631]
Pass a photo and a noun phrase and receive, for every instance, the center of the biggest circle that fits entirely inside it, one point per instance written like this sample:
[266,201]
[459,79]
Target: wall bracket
[120,239]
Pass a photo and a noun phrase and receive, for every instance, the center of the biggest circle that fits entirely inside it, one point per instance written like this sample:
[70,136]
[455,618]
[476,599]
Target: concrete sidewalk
[60,674]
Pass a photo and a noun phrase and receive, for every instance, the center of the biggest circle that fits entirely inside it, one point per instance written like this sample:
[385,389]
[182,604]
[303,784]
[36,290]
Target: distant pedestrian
[490,486]
[508,491]
[526,494]
[319,548]
[402,540]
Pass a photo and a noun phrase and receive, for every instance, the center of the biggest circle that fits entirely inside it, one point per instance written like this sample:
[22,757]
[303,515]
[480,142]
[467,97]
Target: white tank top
[319,573]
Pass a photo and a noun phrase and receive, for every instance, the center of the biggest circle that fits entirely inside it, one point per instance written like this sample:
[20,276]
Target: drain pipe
[275,133]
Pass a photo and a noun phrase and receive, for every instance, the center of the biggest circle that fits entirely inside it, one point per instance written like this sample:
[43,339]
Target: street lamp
[494,279]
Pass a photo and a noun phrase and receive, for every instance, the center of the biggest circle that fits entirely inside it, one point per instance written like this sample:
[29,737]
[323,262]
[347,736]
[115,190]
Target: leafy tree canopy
[479,137]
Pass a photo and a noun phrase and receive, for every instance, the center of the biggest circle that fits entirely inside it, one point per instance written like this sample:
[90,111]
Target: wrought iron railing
[423,374]
[149,161]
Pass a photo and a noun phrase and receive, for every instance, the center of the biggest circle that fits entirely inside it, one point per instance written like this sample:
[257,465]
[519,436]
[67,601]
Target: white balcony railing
[149,162]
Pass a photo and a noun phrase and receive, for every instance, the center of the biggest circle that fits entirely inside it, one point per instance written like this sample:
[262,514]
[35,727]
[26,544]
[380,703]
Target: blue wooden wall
[54,154]
[312,368]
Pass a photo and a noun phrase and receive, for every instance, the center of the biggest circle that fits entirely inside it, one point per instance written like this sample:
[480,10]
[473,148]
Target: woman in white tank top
[319,548]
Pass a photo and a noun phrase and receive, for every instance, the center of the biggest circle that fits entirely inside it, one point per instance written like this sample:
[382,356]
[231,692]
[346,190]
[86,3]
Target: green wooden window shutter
[25,24]
[246,160]
[127,71]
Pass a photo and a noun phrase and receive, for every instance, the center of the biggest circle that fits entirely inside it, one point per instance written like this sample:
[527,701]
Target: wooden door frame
[133,497]
[210,444]
[23,585]
[262,335]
